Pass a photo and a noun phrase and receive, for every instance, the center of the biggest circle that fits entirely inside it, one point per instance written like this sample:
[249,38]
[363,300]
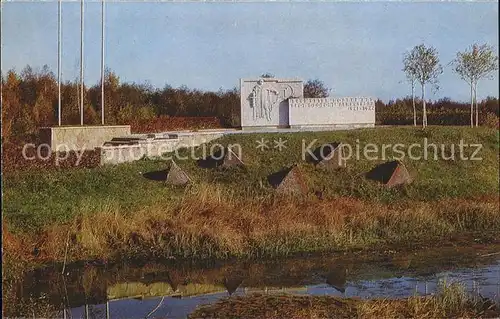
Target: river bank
[134,288]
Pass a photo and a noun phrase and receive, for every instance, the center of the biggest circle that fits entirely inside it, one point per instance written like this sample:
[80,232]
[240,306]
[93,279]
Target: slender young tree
[473,64]
[425,62]
[411,75]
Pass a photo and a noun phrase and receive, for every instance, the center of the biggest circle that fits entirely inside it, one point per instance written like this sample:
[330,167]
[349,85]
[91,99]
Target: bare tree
[267,75]
[411,75]
[315,89]
[473,64]
[425,62]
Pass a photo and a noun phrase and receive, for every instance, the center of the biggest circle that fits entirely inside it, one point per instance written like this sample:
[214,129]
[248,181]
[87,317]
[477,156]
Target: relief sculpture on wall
[265,97]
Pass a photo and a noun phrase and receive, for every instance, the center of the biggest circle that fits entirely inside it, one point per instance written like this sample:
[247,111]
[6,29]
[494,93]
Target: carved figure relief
[264,98]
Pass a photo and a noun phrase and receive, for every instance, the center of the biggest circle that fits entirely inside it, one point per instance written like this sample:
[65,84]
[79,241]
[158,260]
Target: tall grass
[34,199]
[207,223]
[451,300]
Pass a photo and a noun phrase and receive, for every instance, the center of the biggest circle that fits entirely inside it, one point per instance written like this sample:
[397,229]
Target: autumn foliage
[166,123]
[14,159]
[30,101]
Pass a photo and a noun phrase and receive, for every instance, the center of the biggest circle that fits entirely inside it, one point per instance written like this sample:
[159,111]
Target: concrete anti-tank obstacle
[224,158]
[176,176]
[288,181]
[390,174]
[330,156]
[231,159]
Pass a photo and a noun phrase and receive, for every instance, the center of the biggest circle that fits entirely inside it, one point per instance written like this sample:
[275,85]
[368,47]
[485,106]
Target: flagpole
[102,62]
[59,30]
[81,61]
[1,65]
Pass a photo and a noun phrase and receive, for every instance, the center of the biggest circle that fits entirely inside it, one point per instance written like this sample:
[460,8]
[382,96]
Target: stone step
[126,139]
[146,137]
[115,143]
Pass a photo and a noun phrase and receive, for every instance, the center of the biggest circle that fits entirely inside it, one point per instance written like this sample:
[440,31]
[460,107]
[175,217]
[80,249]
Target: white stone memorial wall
[348,111]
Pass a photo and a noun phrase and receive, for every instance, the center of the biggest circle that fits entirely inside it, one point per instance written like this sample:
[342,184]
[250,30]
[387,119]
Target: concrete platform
[133,147]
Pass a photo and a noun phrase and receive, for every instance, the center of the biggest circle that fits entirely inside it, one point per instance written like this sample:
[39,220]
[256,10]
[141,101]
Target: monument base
[258,128]
[333,126]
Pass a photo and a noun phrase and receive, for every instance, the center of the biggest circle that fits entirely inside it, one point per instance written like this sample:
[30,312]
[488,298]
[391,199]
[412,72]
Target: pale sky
[355,48]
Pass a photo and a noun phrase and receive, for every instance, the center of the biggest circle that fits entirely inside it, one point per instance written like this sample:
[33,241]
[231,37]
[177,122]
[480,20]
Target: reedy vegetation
[206,225]
[234,213]
[451,301]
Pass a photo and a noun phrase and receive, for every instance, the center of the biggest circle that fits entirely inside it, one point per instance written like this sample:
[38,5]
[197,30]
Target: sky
[355,48]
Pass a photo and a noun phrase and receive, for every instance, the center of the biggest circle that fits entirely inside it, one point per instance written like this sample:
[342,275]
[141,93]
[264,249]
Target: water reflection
[337,278]
[175,289]
[233,281]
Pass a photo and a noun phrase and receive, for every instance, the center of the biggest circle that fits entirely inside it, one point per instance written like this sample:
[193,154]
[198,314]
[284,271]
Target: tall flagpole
[59,30]
[1,65]
[81,62]
[102,62]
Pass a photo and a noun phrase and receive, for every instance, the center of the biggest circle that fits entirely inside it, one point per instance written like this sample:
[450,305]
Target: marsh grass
[207,223]
[13,305]
[451,301]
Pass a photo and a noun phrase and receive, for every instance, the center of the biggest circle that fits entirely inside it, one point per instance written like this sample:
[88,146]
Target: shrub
[491,120]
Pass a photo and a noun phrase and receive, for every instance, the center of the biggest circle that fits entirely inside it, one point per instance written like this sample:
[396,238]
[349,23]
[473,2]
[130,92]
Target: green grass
[35,199]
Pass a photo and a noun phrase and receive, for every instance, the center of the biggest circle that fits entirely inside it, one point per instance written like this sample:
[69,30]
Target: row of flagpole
[102,62]
[59,60]
[59,30]
[1,47]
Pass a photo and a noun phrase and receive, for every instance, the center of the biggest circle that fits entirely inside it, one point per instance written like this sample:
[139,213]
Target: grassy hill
[116,210]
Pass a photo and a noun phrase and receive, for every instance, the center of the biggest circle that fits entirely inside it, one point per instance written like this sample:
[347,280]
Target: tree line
[409,110]
[30,101]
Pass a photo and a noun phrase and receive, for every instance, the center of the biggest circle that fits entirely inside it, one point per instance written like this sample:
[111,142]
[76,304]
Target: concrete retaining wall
[72,138]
